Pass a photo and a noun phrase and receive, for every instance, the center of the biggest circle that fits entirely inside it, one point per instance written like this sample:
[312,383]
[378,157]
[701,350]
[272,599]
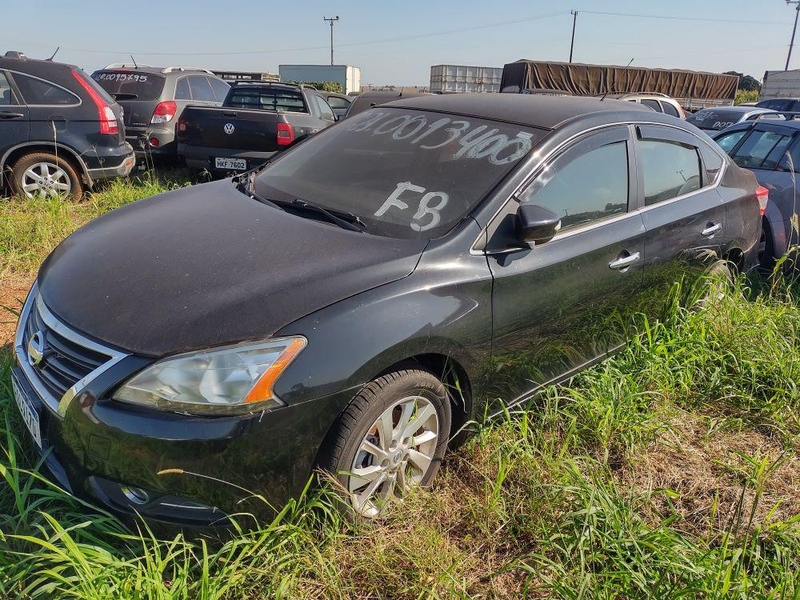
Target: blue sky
[397,42]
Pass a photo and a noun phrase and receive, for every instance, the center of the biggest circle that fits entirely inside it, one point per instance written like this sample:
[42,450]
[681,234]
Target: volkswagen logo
[229,128]
[36,348]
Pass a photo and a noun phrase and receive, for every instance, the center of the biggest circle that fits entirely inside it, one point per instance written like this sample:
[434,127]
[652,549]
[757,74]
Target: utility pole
[574,14]
[794,31]
[332,20]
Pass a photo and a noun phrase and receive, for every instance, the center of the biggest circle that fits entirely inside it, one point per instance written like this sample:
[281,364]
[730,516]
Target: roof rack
[126,66]
[180,68]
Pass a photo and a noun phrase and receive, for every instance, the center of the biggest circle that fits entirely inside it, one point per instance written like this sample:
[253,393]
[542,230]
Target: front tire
[390,438]
[45,174]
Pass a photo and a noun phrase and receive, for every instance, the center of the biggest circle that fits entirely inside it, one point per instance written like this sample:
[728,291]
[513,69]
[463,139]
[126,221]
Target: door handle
[624,262]
[7,116]
[711,229]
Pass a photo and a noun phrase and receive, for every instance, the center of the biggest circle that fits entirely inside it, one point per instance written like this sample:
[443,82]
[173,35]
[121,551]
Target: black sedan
[359,299]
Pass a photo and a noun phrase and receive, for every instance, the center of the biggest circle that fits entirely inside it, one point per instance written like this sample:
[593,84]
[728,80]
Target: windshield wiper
[344,220]
[245,183]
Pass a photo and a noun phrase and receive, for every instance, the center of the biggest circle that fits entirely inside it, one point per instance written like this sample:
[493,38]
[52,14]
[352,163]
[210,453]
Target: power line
[673,18]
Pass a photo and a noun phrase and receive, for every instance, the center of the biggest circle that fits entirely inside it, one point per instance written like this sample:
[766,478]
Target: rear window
[713,119]
[130,85]
[267,99]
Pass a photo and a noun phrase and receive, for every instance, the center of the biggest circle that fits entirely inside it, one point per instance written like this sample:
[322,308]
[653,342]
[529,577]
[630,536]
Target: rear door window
[6,95]
[337,102]
[201,89]
[669,170]
[130,85]
[324,109]
[669,109]
[182,89]
[652,104]
[39,92]
[762,150]
[583,189]
[220,88]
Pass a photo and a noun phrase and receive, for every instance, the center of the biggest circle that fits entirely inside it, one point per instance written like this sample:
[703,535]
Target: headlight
[234,378]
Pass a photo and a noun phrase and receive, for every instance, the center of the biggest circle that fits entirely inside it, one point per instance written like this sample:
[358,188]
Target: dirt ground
[12,292]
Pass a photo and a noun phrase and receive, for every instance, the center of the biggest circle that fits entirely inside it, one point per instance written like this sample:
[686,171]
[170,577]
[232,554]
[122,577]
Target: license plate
[238,164]
[29,414]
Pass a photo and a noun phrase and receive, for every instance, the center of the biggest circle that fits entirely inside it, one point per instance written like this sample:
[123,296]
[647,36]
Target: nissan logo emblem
[229,128]
[36,349]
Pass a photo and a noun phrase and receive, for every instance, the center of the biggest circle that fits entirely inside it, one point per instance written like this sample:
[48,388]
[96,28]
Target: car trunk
[231,128]
[136,91]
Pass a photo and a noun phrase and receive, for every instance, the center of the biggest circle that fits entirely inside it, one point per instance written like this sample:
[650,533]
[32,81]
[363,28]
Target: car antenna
[135,66]
[609,91]
[54,54]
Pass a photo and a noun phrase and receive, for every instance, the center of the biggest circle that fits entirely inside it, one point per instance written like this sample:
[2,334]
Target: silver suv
[658,102]
[153,99]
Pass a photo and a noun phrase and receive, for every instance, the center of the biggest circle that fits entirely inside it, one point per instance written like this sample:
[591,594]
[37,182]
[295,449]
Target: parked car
[339,103]
[781,104]
[357,301]
[60,133]
[256,121]
[154,99]
[771,150]
[717,119]
[657,102]
[367,100]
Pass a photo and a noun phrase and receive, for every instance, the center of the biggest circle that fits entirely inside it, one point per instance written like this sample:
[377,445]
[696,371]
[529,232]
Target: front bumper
[185,470]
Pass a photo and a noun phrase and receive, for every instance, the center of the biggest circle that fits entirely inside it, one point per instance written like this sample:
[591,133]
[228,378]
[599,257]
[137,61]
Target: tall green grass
[31,228]
[669,471]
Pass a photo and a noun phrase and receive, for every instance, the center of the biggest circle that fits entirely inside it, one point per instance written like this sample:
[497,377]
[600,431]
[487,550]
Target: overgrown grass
[30,229]
[669,471]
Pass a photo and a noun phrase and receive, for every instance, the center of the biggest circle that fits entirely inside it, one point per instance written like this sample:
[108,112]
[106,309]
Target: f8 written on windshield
[469,142]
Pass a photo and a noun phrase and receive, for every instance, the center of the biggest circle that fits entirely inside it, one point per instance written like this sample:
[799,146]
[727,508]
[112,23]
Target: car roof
[789,124]
[738,109]
[544,112]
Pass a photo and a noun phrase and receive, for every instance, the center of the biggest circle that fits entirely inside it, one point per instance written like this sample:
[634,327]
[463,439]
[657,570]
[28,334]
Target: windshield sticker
[475,142]
[428,214]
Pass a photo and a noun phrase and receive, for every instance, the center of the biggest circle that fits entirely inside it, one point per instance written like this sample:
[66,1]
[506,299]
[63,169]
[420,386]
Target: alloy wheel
[46,179]
[394,455]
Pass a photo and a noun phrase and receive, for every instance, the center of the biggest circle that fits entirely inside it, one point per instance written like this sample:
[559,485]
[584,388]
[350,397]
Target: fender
[46,146]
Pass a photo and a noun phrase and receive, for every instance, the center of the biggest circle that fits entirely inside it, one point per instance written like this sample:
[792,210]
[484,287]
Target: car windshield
[405,173]
[130,85]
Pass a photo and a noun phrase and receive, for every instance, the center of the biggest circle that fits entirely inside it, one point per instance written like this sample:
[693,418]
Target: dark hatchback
[60,133]
[322,312]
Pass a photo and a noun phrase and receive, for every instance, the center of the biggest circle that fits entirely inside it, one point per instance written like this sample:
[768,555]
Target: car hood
[206,266]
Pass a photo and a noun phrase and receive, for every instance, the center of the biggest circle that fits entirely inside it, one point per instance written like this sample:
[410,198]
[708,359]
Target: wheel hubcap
[46,179]
[394,455]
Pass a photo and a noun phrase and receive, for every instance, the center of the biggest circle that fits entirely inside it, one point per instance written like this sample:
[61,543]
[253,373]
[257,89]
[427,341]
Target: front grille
[68,359]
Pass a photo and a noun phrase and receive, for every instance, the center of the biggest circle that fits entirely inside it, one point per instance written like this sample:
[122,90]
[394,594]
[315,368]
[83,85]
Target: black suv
[59,131]
[154,98]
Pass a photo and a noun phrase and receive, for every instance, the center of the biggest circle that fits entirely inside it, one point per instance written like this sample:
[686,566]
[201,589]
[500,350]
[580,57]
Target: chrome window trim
[58,406]
[537,167]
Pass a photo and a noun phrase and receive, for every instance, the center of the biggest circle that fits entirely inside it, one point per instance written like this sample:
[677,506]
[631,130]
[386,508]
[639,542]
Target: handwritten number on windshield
[426,211]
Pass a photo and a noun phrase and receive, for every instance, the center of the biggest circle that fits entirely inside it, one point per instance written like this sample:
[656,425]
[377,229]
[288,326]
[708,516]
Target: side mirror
[536,224]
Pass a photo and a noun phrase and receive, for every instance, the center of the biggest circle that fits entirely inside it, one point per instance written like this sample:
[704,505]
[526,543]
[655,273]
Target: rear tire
[766,249]
[45,174]
[390,438]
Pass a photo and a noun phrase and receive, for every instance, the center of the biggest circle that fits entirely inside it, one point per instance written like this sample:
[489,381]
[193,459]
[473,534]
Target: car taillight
[108,120]
[762,195]
[164,112]
[683,112]
[285,134]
